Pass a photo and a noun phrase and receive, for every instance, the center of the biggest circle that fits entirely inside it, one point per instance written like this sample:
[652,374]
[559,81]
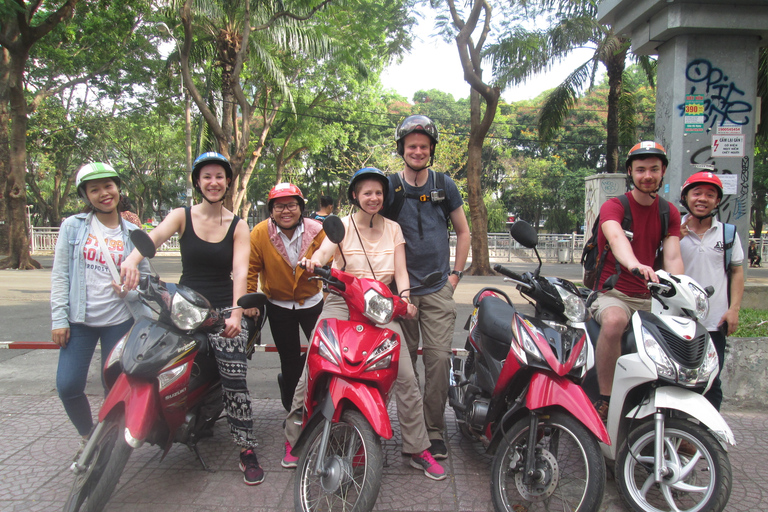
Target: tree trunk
[15,185]
[5,169]
[478,213]
[614,65]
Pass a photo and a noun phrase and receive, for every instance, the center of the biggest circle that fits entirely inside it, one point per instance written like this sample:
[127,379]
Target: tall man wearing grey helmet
[646,165]
[423,202]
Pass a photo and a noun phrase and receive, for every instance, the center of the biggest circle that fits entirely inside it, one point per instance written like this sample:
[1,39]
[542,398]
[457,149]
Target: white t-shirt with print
[103,307]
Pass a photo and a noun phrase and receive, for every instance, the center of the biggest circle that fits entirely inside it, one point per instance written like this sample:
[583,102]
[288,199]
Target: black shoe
[249,465]
[438,449]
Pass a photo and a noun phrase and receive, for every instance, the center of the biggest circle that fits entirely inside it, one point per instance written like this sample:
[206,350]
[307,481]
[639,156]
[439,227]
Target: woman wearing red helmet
[214,261]
[295,302]
[705,244]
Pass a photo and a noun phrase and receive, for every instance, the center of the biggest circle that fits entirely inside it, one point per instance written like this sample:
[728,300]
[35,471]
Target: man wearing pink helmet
[646,165]
[295,302]
[713,256]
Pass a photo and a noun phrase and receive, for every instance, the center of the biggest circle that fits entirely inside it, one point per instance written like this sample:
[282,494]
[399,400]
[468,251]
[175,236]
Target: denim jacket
[68,273]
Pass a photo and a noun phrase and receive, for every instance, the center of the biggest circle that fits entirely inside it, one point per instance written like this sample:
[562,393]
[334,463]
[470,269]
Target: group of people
[398,233]
[697,244]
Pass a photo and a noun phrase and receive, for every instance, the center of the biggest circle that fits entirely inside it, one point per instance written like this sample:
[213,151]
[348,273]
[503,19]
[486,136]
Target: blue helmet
[211,157]
[364,174]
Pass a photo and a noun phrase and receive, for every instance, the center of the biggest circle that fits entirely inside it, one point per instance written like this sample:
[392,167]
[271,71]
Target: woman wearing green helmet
[87,303]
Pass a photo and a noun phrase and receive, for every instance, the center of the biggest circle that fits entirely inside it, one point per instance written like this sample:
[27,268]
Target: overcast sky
[434,64]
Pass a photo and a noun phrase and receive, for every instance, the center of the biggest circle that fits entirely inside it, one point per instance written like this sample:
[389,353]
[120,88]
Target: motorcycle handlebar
[326,275]
[509,273]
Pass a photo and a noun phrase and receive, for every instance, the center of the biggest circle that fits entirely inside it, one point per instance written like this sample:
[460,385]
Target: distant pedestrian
[326,208]
[754,254]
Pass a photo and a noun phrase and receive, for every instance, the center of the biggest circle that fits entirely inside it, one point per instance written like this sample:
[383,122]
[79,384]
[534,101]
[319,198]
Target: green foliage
[753,323]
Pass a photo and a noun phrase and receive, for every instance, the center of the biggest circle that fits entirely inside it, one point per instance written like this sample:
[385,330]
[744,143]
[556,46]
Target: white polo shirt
[703,259]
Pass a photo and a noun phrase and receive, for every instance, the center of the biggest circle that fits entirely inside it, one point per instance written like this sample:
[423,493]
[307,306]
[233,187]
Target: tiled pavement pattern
[38,442]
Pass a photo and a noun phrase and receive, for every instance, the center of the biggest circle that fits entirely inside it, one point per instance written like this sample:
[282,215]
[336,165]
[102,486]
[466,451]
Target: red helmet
[285,190]
[701,178]
[646,149]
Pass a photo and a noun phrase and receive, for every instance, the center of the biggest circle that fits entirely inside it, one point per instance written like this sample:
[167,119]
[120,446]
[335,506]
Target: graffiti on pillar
[733,206]
[723,100]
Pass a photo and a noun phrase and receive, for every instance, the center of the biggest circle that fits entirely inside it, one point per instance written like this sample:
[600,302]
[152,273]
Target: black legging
[284,324]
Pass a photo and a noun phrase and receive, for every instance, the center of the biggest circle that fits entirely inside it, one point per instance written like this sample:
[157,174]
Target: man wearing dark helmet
[646,165]
[422,202]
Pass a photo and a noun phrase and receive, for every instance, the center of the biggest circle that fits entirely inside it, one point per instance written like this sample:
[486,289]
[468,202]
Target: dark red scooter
[352,367]
[518,392]
[164,384]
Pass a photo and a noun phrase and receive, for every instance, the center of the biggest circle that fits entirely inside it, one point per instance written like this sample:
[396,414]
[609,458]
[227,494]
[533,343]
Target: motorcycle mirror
[143,243]
[334,229]
[252,300]
[610,282]
[709,290]
[524,234]
[432,279]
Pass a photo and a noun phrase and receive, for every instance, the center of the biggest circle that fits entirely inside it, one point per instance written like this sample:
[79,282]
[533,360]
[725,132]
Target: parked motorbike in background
[518,393]
[669,442]
[351,367]
[164,384]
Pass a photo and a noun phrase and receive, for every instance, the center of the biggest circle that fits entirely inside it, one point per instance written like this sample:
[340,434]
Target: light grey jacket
[68,273]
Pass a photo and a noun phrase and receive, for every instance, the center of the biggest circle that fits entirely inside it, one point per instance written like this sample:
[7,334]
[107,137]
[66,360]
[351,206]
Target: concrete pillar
[706,110]
[599,189]
[706,101]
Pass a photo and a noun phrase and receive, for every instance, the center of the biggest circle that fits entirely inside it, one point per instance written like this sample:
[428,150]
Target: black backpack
[593,259]
[396,184]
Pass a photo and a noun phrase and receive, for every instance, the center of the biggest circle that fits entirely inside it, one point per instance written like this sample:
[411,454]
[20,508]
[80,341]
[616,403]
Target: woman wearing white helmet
[215,245]
[87,303]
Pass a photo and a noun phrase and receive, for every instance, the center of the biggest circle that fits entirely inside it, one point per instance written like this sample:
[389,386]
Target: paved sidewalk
[38,444]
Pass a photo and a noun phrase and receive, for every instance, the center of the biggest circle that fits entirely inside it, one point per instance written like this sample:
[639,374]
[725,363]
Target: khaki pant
[434,324]
[409,405]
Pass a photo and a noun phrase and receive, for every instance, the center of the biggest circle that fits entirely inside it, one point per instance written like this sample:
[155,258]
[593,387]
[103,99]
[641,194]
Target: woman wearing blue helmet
[215,245]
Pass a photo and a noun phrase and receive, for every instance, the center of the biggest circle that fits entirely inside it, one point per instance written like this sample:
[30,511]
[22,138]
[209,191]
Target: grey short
[614,298]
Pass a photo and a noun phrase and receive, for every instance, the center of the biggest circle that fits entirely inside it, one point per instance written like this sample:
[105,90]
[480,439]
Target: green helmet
[94,171]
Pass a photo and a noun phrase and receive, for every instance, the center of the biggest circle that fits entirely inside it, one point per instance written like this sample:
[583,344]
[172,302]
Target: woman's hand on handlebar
[129,271]
[411,311]
[232,325]
[309,264]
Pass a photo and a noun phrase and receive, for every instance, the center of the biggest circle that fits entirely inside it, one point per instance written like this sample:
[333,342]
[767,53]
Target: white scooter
[668,442]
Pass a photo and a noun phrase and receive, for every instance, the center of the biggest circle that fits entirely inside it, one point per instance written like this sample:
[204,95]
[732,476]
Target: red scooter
[518,392]
[164,384]
[352,366]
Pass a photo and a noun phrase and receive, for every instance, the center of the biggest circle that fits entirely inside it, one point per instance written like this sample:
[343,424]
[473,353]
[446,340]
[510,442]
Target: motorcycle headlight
[328,348]
[575,310]
[168,377]
[664,366]
[529,345]
[117,352]
[701,300]
[185,315]
[387,345]
[711,363]
[378,308]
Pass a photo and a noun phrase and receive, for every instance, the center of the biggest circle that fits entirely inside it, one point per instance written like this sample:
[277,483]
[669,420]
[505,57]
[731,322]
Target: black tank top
[207,267]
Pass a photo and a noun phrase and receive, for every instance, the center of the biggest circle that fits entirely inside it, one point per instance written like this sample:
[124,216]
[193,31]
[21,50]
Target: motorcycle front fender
[140,402]
[547,390]
[692,404]
[366,399]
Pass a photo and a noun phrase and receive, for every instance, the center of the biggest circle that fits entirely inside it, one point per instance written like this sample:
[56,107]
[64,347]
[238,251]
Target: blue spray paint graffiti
[721,104]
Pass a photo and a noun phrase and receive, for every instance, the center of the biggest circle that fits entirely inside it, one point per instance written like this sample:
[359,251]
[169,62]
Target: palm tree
[523,52]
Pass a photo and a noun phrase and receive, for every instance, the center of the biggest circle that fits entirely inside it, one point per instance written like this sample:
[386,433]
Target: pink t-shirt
[646,228]
[380,253]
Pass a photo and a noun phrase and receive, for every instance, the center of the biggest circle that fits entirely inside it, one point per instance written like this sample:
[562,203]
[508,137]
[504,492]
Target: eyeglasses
[281,207]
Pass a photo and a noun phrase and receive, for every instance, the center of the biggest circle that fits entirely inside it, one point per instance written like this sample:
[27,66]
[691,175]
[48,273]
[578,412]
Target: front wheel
[698,477]
[569,468]
[351,467]
[94,484]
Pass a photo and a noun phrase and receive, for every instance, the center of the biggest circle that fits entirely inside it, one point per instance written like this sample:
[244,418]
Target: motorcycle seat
[494,319]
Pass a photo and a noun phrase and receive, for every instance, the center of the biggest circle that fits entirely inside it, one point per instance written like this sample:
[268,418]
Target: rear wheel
[699,473]
[569,468]
[95,483]
[352,464]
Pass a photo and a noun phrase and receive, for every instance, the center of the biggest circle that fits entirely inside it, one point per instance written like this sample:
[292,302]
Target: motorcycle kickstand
[200,458]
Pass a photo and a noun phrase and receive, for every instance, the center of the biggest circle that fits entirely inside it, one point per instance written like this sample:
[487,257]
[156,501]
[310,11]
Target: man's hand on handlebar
[646,273]
[309,264]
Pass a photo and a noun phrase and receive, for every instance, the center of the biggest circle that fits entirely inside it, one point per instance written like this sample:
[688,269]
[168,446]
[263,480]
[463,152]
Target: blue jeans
[74,361]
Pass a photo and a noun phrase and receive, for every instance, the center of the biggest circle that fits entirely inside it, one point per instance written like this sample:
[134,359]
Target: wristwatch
[457,273]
